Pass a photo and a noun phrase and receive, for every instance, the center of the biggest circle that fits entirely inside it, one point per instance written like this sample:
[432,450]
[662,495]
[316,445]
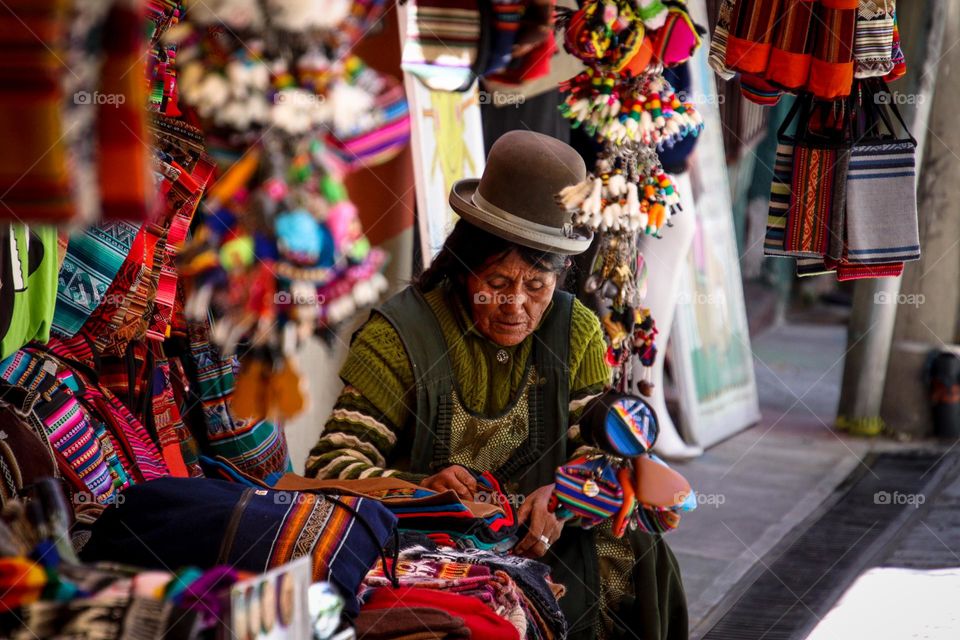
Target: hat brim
[514,228]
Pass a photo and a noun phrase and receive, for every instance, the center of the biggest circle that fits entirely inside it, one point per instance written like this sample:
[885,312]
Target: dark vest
[573,557]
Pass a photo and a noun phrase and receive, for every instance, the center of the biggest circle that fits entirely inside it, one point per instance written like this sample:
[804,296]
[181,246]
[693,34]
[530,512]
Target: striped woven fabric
[882,204]
[811,201]
[631,427]
[898,59]
[213,378]
[873,42]
[93,258]
[185,195]
[588,488]
[121,121]
[78,441]
[752,27]
[831,71]
[442,42]
[35,177]
[860,271]
[257,447]
[759,91]
[807,267]
[780,197]
[173,435]
[791,48]
[506,23]
[718,41]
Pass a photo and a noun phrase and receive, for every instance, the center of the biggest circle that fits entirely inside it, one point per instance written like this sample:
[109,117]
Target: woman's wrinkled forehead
[513,266]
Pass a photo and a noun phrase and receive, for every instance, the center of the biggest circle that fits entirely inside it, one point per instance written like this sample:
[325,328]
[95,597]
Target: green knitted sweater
[369,431]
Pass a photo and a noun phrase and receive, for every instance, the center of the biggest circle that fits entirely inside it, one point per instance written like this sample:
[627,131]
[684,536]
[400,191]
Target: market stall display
[195,174]
[843,198]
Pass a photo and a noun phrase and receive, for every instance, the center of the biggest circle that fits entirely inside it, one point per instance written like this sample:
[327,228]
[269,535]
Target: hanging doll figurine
[645,348]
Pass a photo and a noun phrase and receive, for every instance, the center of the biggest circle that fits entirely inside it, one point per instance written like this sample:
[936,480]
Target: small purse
[881,193]
[820,159]
[587,487]
[676,41]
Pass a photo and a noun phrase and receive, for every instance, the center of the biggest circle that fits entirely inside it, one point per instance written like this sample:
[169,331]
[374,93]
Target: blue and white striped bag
[881,193]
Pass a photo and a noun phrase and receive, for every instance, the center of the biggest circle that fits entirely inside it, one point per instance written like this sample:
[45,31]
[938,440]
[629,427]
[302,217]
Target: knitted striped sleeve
[368,424]
[589,372]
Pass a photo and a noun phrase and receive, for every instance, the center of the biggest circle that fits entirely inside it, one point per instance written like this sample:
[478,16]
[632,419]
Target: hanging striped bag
[881,187]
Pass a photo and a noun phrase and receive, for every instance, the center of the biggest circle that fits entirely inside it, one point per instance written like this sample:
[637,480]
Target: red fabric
[483,622]
[535,64]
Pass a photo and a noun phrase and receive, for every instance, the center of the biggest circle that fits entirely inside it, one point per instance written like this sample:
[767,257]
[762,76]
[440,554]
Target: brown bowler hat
[516,197]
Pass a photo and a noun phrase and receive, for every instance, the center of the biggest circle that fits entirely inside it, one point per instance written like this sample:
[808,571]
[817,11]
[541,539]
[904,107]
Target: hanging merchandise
[279,253]
[625,103]
[805,46]
[843,197]
[450,44]
[622,480]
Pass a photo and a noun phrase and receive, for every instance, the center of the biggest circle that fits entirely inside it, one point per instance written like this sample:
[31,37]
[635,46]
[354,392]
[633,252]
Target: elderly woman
[485,364]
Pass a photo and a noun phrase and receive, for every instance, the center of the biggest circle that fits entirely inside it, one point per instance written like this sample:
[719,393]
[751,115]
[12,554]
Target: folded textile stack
[517,590]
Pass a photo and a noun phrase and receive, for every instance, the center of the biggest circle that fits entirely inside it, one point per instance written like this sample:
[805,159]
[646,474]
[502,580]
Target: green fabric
[28,285]
[375,409]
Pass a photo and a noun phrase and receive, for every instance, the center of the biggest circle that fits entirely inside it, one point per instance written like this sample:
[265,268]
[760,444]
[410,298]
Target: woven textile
[87,458]
[811,201]
[121,123]
[250,529]
[831,71]
[442,42]
[873,43]
[93,258]
[798,45]
[792,46]
[258,447]
[881,203]
[752,27]
[780,197]
[718,41]
[34,172]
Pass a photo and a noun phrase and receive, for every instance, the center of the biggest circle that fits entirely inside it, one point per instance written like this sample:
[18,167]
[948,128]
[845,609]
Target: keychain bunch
[628,194]
[620,110]
[620,479]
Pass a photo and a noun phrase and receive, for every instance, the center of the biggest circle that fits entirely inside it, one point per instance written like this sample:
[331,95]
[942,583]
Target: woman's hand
[453,477]
[541,524]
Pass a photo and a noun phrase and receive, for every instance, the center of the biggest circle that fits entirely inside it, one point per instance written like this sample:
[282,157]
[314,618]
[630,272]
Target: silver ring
[545,540]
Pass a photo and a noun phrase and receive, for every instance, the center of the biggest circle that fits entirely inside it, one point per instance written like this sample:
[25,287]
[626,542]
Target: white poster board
[446,137]
[710,339]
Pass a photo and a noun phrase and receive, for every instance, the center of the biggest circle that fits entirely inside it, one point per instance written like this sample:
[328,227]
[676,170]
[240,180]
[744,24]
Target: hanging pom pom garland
[623,101]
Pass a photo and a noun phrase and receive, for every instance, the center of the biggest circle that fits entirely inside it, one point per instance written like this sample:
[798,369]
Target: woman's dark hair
[468,248]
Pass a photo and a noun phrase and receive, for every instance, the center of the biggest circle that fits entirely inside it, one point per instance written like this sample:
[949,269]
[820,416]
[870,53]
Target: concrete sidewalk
[761,483]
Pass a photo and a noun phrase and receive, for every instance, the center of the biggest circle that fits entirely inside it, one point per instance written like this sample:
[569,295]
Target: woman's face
[508,298]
